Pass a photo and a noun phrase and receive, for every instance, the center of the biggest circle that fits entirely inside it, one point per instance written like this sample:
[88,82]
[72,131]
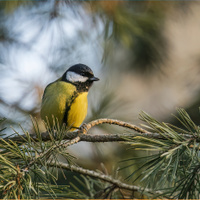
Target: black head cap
[84,71]
[81,69]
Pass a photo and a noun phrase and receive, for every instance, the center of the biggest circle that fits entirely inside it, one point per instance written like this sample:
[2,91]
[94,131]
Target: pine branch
[63,144]
[174,163]
[45,136]
[115,122]
[104,177]
[85,137]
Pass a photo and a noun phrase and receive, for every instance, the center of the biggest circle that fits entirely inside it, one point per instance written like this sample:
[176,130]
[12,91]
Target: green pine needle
[175,156]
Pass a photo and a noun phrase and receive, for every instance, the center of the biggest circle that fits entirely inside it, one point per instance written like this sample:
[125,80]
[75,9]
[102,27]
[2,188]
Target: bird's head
[81,76]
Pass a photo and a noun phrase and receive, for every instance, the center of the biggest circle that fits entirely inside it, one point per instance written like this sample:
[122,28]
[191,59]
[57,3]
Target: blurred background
[146,54]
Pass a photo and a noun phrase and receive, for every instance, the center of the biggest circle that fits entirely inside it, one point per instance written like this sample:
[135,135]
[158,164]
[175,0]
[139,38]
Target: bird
[65,99]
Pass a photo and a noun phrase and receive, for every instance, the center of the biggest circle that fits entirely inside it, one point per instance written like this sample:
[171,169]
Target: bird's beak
[93,79]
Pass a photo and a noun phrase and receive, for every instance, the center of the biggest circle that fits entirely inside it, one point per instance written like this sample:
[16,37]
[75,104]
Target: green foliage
[138,28]
[25,171]
[30,168]
[10,6]
[91,188]
[173,163]
[2,120]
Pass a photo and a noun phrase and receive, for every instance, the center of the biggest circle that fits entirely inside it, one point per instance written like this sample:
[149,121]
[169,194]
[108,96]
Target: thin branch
[100,138]
[115,122]
[104,177]
[83,130]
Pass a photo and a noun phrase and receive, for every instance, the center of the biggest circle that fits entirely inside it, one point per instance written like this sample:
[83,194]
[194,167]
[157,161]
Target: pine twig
[115,122]
[84,129]
[64,144]
[99,138]
[104,177]
[114,137]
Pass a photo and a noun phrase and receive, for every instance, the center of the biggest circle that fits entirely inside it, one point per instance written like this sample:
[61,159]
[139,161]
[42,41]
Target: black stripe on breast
[68,106]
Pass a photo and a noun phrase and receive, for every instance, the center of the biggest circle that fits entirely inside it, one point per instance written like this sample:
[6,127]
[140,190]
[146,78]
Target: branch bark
[99,138]
[104,177]
[115,122]
[83,130]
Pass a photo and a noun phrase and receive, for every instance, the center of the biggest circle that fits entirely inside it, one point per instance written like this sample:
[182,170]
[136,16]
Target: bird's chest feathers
[63,102]
[78,110]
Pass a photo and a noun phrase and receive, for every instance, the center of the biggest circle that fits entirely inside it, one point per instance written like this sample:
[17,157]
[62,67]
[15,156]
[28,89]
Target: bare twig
[115,122]
[104,177]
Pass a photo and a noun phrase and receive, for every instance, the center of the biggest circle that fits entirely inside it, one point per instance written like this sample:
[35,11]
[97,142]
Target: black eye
[86,74]
[89,75]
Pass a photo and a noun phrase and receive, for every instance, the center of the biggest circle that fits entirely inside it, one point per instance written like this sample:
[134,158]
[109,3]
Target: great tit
[65,99]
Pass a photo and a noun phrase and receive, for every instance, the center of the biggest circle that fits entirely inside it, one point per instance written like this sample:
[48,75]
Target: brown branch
[84,129]
[115,122]
[99,138]
[104,177]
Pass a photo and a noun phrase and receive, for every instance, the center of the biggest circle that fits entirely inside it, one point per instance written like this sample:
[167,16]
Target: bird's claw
[84,128]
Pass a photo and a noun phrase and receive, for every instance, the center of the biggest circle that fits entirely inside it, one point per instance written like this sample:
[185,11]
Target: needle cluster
[31,164]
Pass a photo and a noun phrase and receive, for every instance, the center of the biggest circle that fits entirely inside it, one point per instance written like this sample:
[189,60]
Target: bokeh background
[146,54]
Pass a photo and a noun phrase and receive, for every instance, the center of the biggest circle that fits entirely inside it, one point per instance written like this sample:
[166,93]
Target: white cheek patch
[74,77]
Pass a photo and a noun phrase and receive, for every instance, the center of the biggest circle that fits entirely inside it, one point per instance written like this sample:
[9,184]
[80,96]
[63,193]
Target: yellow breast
[78,110]
[59,98]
